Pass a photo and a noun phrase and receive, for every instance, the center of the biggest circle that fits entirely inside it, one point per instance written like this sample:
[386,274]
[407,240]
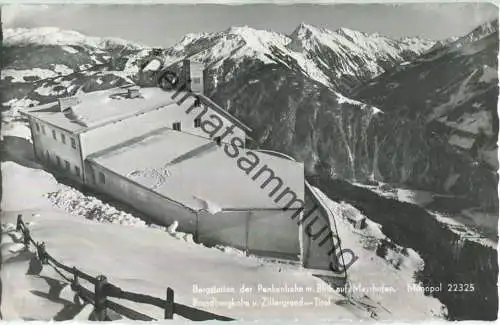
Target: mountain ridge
[313,119]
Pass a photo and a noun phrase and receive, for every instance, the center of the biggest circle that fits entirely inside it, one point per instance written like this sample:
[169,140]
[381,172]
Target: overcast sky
[163,25]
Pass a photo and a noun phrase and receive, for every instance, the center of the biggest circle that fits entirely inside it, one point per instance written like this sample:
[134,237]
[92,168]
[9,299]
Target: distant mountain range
[365,108]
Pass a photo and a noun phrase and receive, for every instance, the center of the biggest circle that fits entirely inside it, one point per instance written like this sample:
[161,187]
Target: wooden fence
[103,289]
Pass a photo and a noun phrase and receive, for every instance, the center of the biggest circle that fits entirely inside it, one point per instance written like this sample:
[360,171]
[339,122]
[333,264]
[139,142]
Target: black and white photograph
[249,162]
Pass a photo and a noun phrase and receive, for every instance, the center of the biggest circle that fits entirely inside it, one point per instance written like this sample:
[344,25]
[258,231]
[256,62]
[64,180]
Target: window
[176,126]
[63,138]
[43,129]
[54,134]
[67,165]
[37,126]
[197,122]
[73,143]
[101,178]
[77,171]
[92,175]
[58,160]
[196,80]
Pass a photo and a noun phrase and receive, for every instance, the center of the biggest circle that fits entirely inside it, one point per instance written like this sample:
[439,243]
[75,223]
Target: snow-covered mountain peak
[256,37]
[338,59]
[235,42]
[303,30]
[308,37]
[488,27]
[351,33]
[482,30]
[57,36]
[307,31]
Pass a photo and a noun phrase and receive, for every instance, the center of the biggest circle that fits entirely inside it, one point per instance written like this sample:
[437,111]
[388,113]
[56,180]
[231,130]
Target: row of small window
[177,125]
[54,135]
[67,165]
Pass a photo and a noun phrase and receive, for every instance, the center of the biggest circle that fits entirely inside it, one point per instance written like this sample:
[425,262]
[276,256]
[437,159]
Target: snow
[154,261]
[369,47]
[101,106]
[370,270]
[70,49]
[98,238]
[152,178]
[189,180]
[173,227]
[78,204]
[16,104]
[85,66]
[209,206]
[16,130]
[28,197]
[242,42]
[62,69]
[462,94]
[18,75]
[461,141]
[489,74]
[461,224]
[56,36]
[470,224]
[154,65]
[474,123]
[344,100]
[490,157]
[417,197]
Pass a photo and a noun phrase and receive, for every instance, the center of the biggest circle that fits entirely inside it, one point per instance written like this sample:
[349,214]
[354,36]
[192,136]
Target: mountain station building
[178,156]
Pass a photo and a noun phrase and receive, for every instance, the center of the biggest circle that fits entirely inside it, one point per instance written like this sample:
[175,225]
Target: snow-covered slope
[57,36]
[52,59]
[100,239]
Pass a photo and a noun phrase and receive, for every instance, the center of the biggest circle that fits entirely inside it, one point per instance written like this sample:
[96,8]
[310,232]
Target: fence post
[19,222]
[169,306]
[100,298]
[27,237]
[41,252]
[74,286]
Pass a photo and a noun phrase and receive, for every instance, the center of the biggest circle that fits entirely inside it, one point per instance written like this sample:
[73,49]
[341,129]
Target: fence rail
[103,289]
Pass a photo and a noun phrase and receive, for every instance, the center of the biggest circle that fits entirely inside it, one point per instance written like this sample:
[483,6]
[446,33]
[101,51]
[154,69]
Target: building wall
[95,140]
[153,205]
[47,149]
[267,232]
[264,232]
[316,227]
[274,233]
[227,228]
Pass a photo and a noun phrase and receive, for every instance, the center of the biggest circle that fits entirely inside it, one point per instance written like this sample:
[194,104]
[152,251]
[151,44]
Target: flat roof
[101,107]
[195,171]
